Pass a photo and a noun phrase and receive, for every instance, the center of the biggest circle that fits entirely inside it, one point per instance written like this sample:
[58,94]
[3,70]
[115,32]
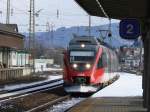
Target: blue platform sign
[129,28]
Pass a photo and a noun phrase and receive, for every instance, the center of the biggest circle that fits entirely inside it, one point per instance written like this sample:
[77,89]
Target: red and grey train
[88,65]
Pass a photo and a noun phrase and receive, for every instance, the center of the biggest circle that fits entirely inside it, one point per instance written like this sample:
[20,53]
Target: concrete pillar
[148,73]
[146,76]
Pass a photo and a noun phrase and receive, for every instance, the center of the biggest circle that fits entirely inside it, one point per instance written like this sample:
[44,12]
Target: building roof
[116,9]
[10,38]
[10,29]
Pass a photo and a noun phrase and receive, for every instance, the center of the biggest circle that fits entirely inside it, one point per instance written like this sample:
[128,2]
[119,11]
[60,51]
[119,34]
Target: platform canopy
[116,9]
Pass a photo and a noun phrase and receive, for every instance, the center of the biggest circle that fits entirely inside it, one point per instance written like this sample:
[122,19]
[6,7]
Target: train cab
[85,64]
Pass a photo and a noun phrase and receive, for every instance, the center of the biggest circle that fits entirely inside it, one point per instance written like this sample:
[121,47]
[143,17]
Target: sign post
[129,29]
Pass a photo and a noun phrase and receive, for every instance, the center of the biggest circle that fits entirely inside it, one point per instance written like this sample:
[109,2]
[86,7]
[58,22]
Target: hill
[62,36]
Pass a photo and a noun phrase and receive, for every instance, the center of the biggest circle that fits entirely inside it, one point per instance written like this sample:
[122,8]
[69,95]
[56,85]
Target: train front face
[80,70]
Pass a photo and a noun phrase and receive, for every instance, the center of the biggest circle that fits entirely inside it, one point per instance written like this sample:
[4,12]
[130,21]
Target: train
[88,65]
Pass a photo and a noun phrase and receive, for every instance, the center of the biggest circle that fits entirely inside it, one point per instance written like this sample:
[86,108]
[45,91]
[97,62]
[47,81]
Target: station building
[13,57]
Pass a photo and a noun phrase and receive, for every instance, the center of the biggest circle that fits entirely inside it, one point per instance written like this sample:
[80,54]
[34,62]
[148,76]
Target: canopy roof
[116,9]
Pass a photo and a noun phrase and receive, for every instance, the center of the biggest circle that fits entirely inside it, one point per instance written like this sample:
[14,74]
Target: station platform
[124,95]
[110,104]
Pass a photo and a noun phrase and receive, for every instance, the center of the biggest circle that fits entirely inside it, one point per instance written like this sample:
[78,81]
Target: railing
[10,73]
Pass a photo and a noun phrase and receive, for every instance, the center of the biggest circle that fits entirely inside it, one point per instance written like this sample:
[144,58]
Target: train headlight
[75,65]
[88,66]
[82,45]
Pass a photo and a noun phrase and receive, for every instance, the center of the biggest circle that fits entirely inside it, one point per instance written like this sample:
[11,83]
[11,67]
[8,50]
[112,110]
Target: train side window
[108,60]
[104,58]
[112,61]
[100,63]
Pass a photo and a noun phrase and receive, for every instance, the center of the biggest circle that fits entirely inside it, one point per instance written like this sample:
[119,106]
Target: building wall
[6,58]
[11,41]
[19,58]
[13,58]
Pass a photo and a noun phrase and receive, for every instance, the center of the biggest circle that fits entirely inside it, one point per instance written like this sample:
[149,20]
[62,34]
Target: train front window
[81,56]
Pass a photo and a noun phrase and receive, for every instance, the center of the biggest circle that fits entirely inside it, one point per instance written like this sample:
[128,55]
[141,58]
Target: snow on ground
[63,106]
[57,76]
[11,87]
[126,85]
[48,69]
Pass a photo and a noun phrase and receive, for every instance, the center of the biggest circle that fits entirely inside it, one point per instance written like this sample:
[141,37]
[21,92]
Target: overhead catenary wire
[64,17]
[102,9]
[48,13]
[109,34]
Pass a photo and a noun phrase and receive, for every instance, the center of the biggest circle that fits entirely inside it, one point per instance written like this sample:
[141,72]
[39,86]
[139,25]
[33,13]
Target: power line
[57,14]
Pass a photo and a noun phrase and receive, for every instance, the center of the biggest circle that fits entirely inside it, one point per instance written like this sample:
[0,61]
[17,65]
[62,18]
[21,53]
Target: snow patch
[63,106]
[126,85]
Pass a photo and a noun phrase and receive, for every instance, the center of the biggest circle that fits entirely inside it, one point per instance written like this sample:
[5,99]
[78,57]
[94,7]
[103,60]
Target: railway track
[12,94]
[64,106]
[35,102]
[48,104]
[50,99]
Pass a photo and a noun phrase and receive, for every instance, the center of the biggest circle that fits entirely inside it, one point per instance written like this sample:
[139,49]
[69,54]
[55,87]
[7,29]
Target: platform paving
[110,104]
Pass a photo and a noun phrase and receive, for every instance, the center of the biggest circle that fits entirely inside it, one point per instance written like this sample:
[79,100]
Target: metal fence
[9,74]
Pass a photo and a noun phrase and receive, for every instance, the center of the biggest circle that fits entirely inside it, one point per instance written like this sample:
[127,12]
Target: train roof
[91,43]
[88,40]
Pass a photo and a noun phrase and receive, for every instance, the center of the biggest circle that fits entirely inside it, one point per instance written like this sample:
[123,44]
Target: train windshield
[81,56]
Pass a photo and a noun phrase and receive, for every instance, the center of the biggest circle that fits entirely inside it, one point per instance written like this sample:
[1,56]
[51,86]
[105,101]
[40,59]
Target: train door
[109,59]
[105,60]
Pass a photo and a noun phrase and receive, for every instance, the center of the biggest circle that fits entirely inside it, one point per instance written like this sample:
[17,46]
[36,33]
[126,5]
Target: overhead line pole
[8,12]
[32,31]
[89,25]
[48,29]
[52,34]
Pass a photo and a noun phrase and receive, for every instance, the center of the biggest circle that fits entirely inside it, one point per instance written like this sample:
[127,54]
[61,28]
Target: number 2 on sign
[130,29]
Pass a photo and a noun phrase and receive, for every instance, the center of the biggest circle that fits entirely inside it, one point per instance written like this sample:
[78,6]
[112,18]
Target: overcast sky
[70,14]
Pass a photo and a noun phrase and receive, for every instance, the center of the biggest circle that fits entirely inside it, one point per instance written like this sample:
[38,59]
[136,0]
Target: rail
[24,91]
[51,103]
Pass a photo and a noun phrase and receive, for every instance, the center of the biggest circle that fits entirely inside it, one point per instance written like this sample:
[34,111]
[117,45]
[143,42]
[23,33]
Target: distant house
[132,57]
[43,64]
